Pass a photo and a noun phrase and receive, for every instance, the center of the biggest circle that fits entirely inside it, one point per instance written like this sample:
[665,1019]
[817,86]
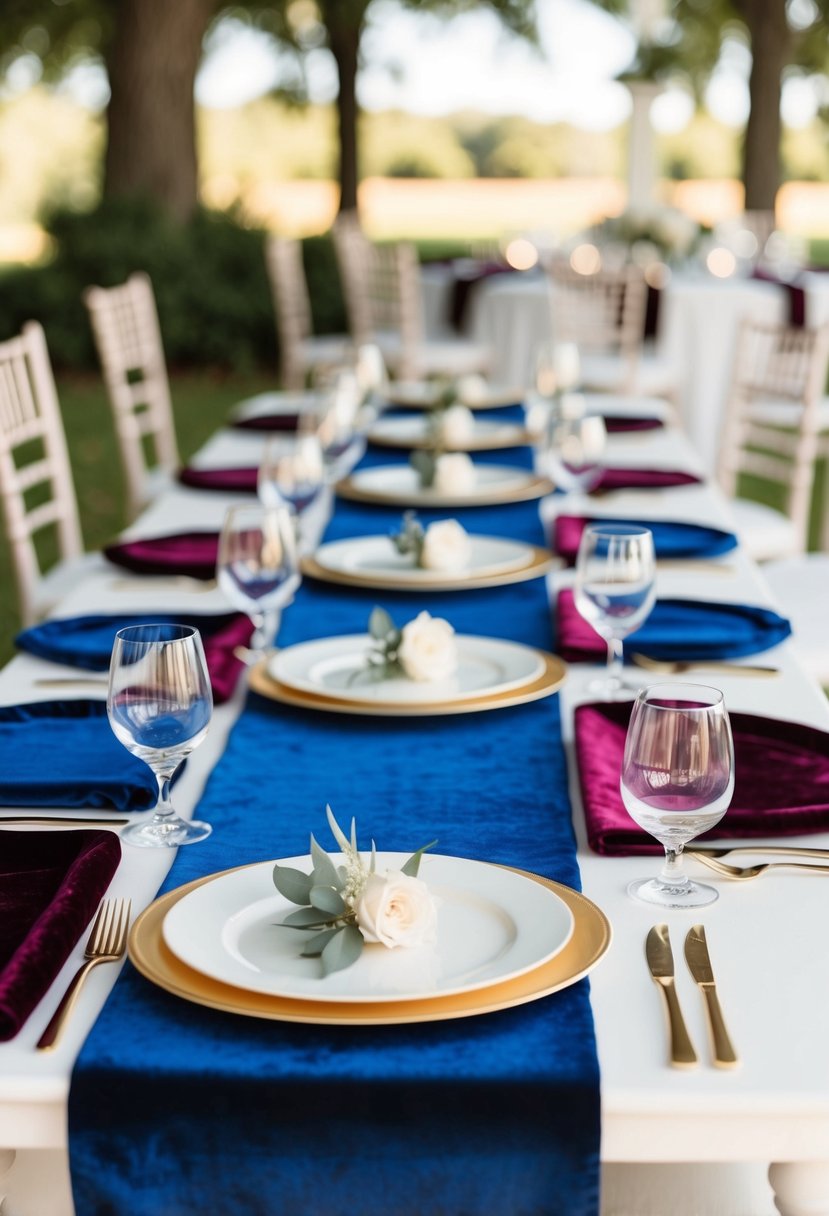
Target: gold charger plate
[517,436]
[590,941]
[534,487]
[541,562]
[550,680]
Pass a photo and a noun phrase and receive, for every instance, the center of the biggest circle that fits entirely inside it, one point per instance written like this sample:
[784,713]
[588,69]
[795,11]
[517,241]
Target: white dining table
[718,1130]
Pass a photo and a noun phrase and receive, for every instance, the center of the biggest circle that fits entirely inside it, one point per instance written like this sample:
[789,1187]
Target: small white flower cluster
[671,232]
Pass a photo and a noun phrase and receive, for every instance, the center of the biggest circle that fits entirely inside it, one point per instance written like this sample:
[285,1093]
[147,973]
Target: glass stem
[164,808]
[672,873]
[615,662]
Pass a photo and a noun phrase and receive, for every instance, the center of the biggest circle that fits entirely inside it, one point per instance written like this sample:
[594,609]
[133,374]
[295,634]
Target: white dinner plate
[376,556]
[613,405]
[415,431]
[337,668]
[399,484]
[493,924]
[272,403]
[423,394]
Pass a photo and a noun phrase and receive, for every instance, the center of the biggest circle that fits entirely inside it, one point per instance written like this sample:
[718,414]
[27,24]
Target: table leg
[801,1188]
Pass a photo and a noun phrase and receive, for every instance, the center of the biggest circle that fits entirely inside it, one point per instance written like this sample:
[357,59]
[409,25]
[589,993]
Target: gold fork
[667,668]
[107,943]
[746,872]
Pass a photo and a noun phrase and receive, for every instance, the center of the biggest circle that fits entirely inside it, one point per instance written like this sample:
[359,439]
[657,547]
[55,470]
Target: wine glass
[571,451]
[556,368]
[257,567]
[337,425]
[677,780]
[159,705]
[615,590]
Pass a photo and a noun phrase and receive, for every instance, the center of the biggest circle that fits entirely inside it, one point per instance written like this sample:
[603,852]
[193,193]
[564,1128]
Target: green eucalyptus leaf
[413,864]
[344,948]
[293,884]
[328,900]
[325,872]
[315,945]
[337,832]
[379,623]
[307,918]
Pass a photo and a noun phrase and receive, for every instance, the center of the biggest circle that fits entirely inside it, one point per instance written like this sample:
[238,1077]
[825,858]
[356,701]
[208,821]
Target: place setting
[444,479]
[421,668]
[368,938]
[472,391]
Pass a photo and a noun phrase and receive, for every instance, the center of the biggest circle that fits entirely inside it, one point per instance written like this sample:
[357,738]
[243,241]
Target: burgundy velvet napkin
[615,424]
[781,783]
[268,422]
[241,481]
[188,553]
[645,479]
[50,886]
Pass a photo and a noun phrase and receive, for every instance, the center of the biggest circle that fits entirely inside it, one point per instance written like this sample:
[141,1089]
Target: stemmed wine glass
[615,590]
[257,567]
[337,424]
[677,780]
[159,705]
[571,452]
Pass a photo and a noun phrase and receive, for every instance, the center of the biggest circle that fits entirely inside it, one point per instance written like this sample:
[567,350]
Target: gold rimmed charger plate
[550,680]
[512,436]
[541,561]
[589,943]
[487,496]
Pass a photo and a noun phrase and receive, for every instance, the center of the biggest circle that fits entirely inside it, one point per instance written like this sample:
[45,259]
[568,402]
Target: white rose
[455,425]
[428,650]
[445,546]
[566,366]
[454,473]
[471,389]
[396,910]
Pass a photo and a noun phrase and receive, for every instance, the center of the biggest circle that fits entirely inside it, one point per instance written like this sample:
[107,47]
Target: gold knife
[87,820]
[661,963]
[699,964]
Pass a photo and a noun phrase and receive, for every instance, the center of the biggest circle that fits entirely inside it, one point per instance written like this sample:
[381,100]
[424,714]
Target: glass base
[667,895]
[165,833]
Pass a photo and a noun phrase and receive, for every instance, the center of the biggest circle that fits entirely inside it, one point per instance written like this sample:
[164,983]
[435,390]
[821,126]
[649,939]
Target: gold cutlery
[150,582]
[778,850]
[107,943]
[72,681]
[664,667]
[699,964]
[746,872]
[74,820]
[661,963]
[693,566]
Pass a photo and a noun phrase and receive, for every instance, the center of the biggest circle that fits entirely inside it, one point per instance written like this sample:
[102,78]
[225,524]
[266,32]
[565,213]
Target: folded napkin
[645,479]
[268,422]
[187,553]
[50,885]
[230,480]
[781,785]
[670,538]
[63,753]
[617,424]
[676,629]
[86,641]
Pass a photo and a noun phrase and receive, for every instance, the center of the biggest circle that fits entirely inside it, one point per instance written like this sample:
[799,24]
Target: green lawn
[201,403]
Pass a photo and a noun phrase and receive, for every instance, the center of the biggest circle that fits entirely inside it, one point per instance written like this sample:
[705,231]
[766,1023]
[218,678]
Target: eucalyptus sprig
[329,896]
[425,462]
[409,540]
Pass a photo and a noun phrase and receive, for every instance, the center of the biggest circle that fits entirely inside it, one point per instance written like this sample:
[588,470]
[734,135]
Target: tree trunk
[344,22]
[151,136]
[770,49]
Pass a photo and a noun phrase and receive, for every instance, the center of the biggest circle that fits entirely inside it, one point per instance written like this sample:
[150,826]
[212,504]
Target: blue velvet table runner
[176,1109]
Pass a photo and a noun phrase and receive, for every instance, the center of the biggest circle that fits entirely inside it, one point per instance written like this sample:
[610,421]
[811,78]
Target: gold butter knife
[661,963]
[699,964]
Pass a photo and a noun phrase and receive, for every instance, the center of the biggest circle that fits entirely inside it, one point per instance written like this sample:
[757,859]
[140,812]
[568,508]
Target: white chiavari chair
[603,312]
[128,340]
[383,298]
[771,432]
[300,350]
[36,487]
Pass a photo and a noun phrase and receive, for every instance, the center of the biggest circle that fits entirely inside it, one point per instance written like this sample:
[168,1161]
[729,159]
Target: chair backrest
[603,312]
[292,306]
[34,462]
[128,339]
[353,251]
[772,420]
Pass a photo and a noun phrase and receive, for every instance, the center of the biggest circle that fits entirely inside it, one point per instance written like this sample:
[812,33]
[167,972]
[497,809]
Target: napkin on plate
[676,629]
[185,553]
[64,754]
[239,480]
[50,886]
[781,780]
[645,479]
[86,641]
[671,539]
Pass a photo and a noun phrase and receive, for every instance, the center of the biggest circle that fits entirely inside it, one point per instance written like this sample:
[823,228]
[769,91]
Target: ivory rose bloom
[454,473]
[427,650]
[471,389]
[455,425]
[445,546]
[396,910]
